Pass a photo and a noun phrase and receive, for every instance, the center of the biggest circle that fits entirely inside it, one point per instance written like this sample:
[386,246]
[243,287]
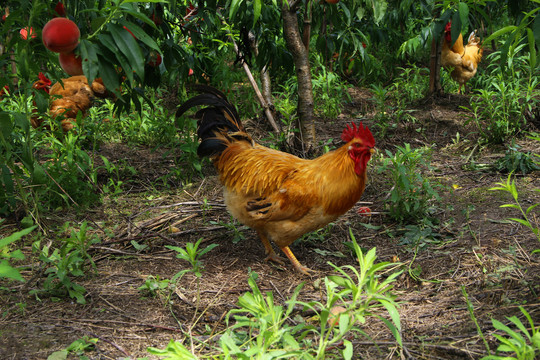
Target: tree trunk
[293,40]
[307,25]
[435,68]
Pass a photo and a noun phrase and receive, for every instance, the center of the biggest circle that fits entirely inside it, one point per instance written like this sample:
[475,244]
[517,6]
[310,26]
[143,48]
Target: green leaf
[348,350]
[530,208]
[500,32]
[58,355]
[128,46]
[500,326]
[141,34]
[109,76]
[235,4]
[7,271]
[532,49]
[379,10]
[90,61]
[463,11]
[15,236]
[257,5]
[510,206]
[521,221]
[6,125]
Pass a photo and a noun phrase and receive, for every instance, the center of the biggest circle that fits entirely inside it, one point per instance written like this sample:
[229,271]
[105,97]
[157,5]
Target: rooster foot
[275,258]
[304,270]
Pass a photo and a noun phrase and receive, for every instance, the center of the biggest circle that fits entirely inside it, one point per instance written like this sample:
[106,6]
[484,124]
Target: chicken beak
[372,150]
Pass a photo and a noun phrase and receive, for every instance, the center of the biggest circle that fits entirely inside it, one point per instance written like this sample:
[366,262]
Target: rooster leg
[271,255]
[304,270]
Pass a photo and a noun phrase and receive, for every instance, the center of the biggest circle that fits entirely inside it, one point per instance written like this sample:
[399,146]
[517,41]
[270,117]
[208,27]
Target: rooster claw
[304,270]
[275,258]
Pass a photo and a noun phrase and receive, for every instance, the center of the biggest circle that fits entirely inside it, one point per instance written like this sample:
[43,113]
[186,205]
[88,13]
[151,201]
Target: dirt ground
[477,250]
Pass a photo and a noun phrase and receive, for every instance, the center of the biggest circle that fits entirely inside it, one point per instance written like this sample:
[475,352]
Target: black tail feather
[219,117]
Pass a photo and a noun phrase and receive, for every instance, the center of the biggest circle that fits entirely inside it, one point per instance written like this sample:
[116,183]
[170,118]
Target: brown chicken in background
[69,96]
[279,195]
[463,60]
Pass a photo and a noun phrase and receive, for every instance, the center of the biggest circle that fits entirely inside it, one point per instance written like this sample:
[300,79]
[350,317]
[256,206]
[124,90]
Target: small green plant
[69,261]
[189,142]
[412,197]
[232,226]
[470,308]
[410,85]
[114,184]
[153,286]
[510,187]
[498,111]
[174,350]
[524,344]
[67,177]
[192,254]
[76,348]
[514,160]
[329,91]
[6,270]
[382,119]
[268,334]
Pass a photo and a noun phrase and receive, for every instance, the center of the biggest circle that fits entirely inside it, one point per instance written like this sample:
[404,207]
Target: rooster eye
[357,145]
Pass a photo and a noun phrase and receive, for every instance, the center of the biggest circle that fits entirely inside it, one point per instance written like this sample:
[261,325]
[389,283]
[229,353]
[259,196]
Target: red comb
[448,26]
[45,79]
[360,132]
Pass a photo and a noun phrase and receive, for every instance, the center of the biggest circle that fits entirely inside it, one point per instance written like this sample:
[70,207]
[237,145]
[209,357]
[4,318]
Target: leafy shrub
[410,85]
[525,343]
[70,260]
[412,196]
[329,91]
[498,113]
[516,161]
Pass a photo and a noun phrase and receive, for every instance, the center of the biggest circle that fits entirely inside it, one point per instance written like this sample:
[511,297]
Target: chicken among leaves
[279,195]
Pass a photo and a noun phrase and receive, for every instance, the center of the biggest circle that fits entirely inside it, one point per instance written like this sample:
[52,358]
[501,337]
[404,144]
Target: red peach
[71,63]
[61,35]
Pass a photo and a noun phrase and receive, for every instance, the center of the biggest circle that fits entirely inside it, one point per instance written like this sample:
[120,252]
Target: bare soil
[478,250]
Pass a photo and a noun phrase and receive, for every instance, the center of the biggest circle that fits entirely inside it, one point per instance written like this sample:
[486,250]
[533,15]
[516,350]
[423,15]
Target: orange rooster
[69,96]
[277,194]
[463,59]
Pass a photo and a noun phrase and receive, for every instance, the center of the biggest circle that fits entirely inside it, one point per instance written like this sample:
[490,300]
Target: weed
[382,119]
[114,184]
[525,344]
[262,329]
[174,350]
[470,308]
[76,348]
[232,226]
[6,270]
[68,261]
[329,91]
[498,112]
[510,187]
[153,285]
[514,160]
[412,196]
[410,85]
[193,255]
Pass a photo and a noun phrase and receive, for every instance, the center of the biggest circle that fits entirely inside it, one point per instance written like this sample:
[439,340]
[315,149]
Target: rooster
[69,96]
[279,195]
[462,59]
